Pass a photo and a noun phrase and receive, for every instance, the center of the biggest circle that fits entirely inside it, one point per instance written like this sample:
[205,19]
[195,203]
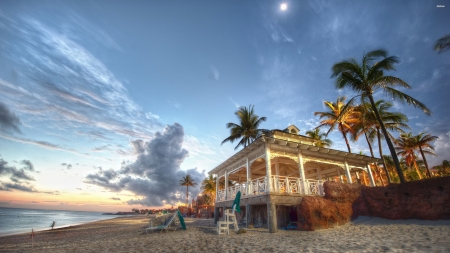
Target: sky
[106,105]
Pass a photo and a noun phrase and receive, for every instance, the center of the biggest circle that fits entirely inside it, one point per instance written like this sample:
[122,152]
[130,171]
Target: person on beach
[53,224]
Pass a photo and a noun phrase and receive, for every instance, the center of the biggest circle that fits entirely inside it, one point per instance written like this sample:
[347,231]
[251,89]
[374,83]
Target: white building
[278,169]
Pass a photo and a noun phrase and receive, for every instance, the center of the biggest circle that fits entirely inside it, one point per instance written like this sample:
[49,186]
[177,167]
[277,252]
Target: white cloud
[234,102]
[215,72]
[150,115]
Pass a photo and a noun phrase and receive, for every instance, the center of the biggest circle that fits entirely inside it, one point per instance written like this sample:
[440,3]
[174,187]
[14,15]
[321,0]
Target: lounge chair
[171,221]
[163,227]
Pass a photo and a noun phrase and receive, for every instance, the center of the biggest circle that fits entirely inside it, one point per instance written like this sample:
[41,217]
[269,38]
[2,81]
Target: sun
[283,6]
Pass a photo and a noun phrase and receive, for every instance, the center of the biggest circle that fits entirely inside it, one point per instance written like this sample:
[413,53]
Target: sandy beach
[126,234]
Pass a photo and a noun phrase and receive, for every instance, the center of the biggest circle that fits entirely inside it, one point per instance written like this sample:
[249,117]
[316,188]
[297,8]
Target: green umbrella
[180,217]
[237,202]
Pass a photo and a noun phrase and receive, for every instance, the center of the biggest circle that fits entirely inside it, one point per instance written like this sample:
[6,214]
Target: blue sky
[91,91]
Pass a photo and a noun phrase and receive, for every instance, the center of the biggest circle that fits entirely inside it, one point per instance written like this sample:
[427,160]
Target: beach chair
[164,227]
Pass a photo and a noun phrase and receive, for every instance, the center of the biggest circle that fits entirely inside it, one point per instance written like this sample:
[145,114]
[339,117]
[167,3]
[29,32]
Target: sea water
[18,220]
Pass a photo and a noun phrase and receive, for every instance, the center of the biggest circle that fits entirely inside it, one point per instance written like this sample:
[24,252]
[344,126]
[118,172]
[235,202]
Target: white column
[277,172]
[319,176]
[226,185]
[347,172]
[301,170]
[369,171]
[268,170]
[217,187]
[249,175]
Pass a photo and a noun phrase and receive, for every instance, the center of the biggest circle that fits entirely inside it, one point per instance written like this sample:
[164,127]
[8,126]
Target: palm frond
[402,98]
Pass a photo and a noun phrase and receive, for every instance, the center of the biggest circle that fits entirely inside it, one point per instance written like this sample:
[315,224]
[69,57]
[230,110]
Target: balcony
[280,184]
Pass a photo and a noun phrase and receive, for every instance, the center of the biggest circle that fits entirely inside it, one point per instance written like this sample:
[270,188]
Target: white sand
[366,234]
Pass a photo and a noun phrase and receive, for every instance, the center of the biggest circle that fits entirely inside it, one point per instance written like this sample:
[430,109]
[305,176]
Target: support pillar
[249,175]
[268,170]
[369,171]
[247,214]
[217,187]
[319,175]
[276,185]
[226,185]
[216,215]
[272,217]
[347,173]
[301,170]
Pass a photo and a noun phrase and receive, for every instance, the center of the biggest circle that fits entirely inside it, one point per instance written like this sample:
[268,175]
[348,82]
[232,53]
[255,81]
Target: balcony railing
[280,184]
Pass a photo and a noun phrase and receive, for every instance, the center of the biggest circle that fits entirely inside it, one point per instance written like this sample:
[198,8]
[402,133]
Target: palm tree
[393,121]
[422,141]
[187,181]
[320,138]
[406,148]
[368,77]
[248,128]
[443,169]
[336,116]
[442,44]
[209,187]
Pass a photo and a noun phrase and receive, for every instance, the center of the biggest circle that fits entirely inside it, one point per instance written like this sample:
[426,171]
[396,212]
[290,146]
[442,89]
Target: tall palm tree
[336,116]
[320,138]
[247,129]
[368,77]
[209,187]
[422,141]
[406,148]
[393,121]
[187,181]
[442,44]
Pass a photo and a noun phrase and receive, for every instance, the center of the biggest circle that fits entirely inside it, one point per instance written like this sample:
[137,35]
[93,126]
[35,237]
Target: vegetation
[247,129]
[321,138]
[187,181]
[442,44]
[337,117]
[209,189]
[443,169]
[367,77]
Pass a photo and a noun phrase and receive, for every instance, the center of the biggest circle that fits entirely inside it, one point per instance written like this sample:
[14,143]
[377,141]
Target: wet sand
[126,234]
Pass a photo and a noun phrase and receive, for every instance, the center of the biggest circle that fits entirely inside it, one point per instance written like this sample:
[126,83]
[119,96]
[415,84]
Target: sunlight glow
[283,6]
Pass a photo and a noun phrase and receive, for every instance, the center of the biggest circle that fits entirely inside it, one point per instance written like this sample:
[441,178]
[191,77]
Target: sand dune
[125,234]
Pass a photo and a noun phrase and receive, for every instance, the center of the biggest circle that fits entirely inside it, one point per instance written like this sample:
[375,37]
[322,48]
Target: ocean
[18,220]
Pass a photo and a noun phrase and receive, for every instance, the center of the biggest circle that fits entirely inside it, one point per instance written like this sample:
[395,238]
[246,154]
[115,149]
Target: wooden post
[268,170]
[369,171]
[217,187]
[272,217]
[301,170]
[249,177]
[226,185]
[247,214]
[347,173]
[216,214]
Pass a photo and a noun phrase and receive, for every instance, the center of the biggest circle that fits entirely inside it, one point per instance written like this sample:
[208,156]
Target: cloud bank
[155,174]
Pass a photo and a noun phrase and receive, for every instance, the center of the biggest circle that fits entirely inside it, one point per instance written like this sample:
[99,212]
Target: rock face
[332,210]
[426,200]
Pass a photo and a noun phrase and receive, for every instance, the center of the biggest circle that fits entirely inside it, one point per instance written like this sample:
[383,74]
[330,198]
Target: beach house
[277,170]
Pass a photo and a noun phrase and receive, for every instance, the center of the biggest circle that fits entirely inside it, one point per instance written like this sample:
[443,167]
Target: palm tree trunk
[425,161]
[345,138]
[417,169]
[381,156]
[388,141]
[368,143]
[187,196]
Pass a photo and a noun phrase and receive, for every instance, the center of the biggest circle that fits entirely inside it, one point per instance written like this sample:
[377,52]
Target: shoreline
[126,234]
[28,231]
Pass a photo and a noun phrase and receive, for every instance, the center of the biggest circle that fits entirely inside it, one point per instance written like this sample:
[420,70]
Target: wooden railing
[280,184]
